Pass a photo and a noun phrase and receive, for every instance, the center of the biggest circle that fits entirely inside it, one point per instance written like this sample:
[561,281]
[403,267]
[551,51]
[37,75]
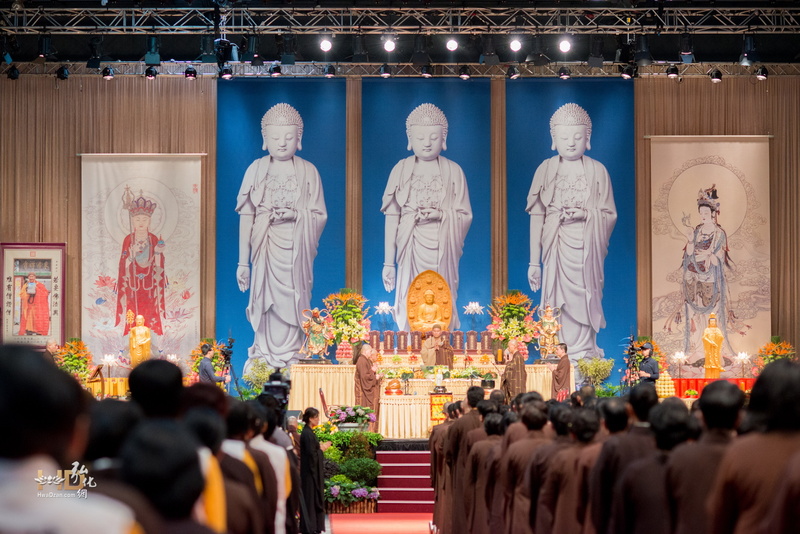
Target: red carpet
[380,523]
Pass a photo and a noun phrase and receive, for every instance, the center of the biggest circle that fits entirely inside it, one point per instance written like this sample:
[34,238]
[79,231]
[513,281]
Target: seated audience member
[156,386]
[44,412]
[692,467]
[160,460]
[752,467]
[640,498]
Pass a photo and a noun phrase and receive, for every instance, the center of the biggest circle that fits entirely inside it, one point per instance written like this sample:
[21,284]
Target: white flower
[473,308]
[383,308]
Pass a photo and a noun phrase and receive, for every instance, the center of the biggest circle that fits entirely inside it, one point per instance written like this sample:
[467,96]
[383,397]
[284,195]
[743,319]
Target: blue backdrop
[240,106]
[386,105]
[609,103]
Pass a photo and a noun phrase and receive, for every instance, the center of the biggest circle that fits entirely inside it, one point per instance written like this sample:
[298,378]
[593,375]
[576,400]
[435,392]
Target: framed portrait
[33,293]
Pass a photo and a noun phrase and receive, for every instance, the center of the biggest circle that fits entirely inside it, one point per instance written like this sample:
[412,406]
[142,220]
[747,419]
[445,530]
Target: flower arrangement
[773,351]
[347,317]
[403,373]
[468,372]
[74,358]
[512,318]
[397,359]
[473,309]
[595,369]
[216,359]
[341,489]
[690,393]
[352,414]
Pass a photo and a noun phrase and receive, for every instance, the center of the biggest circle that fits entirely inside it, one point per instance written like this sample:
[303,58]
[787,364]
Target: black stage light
[108,73]
[226,72]
[12,72]
[385,71]
[464,72]
[512,73]
[150,73]
[564,73]
[190,73]
[62,73]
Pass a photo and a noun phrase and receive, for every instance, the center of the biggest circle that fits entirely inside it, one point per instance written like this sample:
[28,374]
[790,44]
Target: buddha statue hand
[569,215]
[243,277]
[389,276]
[428,214]
[535,276]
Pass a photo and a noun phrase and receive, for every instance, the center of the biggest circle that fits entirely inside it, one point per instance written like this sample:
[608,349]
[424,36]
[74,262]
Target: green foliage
[607,390]
[342,439]
[365,470]
[359,447]
[595,369]
[334,454]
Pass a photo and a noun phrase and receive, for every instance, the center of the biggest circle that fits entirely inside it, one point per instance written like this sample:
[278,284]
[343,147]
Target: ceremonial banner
[711,245]
[438,400]
[280,211]
[571,207]
[33,285]
[140,251]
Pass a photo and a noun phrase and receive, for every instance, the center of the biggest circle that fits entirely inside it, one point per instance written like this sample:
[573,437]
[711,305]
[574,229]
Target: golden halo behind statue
[424,311]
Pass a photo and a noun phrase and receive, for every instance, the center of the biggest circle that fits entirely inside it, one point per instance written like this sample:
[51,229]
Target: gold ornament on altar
[393,387]
[712,346]
[548,328]
[140,339]
[429,302]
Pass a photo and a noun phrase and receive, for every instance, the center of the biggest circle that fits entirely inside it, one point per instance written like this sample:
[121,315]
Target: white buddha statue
[571,204]
[428,213]
[281,217]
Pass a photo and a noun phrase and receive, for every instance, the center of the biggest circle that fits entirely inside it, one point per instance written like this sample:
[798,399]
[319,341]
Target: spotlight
[152,58]
[715,75]
[687,50]
[275,71]
[565,43]
[642,57]
[761,73]
[628,72]
[596,52]
[17,5]
[226,72]
[388,42]
[325,43]
[489,56]
[749,55]
[207,53]
[420,57]
[108,73]
[426,71]
[190,73]
[512,73]
[537,56]
[359,50]
[385,71]
[515,44]
[330,71]
[287,48]
[564,73]
[95,47]
[672,71]
[150,73]
[12,72]
[249,44]
[45,46]
[452,44]
[62,73]
[464,72]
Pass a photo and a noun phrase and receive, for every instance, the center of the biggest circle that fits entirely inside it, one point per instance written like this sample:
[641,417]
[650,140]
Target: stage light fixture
[150,73]
[426,71]
[385,71]
[420,57]
[762,73]
[249,44]
[389,42]
[226,72]
[464,72]
[62,73]
[564,73]
[749,55]
[452,44]
[275,71]
[672,71]
[565,43]
[12,72]
[627,72]
[45,46]
[359,50]
[326,43]
[95,48]
[190,73]
[330,71]
[596,52]
[515,44]
[152,58]
[287,48]
[537,56]
[108,73]
[512,73]
[687,50]
[489,56]
[715,75]
[642,56]
[207,53]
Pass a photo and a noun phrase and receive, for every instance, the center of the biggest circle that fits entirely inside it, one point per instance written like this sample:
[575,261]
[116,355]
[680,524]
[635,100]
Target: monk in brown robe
[754,464]
[367,386]
[517,430]
[560,389]
[640,498]
[438,434]
[436,349]
[456,458]
[618,452]
[485,407]
[784,516]
[558,499]
[513,466]
[692,467]
[515,378]
[477,475]
[614,417]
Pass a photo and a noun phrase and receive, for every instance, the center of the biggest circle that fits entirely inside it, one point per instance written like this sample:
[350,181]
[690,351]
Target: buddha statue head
[571,131]
[140,320]
[426,128]
[282,130]
[429,296]
[712,320]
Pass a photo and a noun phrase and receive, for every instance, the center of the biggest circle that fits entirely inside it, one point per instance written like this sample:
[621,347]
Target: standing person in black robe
[312,476]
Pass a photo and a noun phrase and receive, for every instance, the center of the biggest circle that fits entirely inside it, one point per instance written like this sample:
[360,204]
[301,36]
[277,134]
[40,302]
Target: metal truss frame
[400,20]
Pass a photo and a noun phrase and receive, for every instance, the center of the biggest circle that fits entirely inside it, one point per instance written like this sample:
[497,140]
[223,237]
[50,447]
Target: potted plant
[595,369]
[352,417]
[488,380]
